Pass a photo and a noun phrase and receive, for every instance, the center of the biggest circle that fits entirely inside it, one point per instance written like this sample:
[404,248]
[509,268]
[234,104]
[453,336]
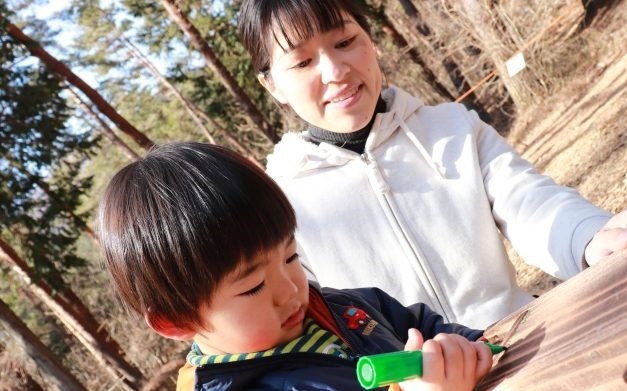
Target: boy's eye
[255,290]
[345,43]
[292,258]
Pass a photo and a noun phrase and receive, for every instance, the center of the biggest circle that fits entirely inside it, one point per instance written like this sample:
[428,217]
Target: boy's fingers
[470,359]
[452,353]
[432,362]
[484,360]
[467,357]
[415,340]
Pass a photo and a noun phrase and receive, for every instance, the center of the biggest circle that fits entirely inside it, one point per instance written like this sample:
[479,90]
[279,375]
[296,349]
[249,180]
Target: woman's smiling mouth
[345,98]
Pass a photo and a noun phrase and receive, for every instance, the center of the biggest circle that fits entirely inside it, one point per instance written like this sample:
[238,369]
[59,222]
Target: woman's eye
[255,290]
[345,43]
[302,64]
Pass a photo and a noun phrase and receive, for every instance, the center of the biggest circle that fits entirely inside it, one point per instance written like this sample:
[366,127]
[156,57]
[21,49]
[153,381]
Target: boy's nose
[285,290]
[332,68]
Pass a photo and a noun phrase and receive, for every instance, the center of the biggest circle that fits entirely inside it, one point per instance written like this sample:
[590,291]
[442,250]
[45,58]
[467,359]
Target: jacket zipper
[345,336]
[370,163]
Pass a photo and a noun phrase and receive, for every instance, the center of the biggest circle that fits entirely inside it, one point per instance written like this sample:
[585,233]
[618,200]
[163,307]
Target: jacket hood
[295,155]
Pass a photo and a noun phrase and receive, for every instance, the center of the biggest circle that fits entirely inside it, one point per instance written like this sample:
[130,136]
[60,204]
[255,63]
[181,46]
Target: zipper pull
[353,357]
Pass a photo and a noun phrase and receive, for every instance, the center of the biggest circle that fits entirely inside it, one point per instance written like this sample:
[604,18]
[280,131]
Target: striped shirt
[314,340]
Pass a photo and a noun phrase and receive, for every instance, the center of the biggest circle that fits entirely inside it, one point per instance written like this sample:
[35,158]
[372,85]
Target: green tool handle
[383,369]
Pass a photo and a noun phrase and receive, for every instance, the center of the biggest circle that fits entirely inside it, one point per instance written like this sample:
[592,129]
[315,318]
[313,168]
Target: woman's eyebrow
[295,46]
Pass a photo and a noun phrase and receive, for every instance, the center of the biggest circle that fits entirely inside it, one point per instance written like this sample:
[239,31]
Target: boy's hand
[449,362]
[612,237]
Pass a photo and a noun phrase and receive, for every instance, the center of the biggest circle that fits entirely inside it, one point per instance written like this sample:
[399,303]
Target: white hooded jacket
[418,214]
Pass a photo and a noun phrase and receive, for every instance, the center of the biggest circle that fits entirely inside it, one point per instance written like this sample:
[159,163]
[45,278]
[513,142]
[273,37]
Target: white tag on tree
[515,64]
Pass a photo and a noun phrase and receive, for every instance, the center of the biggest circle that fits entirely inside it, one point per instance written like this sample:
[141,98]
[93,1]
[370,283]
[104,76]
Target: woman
[408,197]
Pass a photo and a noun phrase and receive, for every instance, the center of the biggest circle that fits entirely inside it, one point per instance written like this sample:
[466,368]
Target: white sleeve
[548,225]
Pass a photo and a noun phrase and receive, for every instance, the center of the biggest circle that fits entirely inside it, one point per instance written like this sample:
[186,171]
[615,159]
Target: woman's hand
[612,237]
[449,362]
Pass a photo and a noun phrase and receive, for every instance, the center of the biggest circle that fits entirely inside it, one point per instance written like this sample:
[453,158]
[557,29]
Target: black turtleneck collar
[353,141]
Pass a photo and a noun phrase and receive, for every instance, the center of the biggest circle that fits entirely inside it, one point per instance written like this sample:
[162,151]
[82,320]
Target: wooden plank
[574,337]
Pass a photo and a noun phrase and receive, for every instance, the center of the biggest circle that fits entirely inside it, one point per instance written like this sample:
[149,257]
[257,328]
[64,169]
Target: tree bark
[71,311]
[66,73]
[60,377]
[220,70]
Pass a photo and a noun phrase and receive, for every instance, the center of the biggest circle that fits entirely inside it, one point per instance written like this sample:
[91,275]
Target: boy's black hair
[296,20]
[173,224]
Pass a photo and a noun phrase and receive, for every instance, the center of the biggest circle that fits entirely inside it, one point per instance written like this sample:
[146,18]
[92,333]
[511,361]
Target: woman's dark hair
[295,20]
[173,224]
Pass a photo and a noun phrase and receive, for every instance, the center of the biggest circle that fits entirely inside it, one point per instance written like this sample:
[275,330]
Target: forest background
[92,86]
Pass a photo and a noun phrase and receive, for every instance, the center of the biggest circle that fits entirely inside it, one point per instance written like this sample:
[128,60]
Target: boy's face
[260,305]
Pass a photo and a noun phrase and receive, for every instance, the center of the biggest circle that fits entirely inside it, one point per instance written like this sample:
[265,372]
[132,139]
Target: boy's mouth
[295,319]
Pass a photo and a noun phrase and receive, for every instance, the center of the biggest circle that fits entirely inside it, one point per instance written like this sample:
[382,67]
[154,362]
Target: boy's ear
[268,84]
[167,329]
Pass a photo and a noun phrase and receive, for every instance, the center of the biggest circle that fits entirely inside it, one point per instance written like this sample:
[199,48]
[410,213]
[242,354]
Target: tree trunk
[440,31]
[13,371]
[27,382]
[71,311]
[134,51]
[501,47]
[158,380]
[60,377]
[194,111]
[399,40]
[66,73]
[451,67]
[104,127]
[220,70]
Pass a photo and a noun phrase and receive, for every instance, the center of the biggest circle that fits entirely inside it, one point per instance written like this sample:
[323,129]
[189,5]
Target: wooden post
[574,337]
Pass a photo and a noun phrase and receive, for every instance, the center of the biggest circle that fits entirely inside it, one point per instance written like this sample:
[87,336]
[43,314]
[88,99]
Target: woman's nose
[332,68]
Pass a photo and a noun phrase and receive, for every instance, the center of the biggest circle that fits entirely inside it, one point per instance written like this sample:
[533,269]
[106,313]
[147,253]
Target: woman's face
[331,80]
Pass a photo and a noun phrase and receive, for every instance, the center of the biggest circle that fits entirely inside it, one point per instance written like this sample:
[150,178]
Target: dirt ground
[578,136]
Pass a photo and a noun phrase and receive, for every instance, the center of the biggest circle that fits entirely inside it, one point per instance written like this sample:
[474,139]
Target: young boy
[200,242]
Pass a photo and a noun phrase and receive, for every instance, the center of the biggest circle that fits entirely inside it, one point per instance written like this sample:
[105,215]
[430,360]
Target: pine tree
[40,191]
[60,377]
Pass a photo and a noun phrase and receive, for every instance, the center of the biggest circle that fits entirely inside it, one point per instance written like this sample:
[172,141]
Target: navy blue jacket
[367,319]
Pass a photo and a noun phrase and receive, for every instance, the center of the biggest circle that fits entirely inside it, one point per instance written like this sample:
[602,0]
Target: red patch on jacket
[355,317]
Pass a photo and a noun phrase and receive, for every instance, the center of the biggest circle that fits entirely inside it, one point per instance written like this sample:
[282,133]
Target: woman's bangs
[299,21]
